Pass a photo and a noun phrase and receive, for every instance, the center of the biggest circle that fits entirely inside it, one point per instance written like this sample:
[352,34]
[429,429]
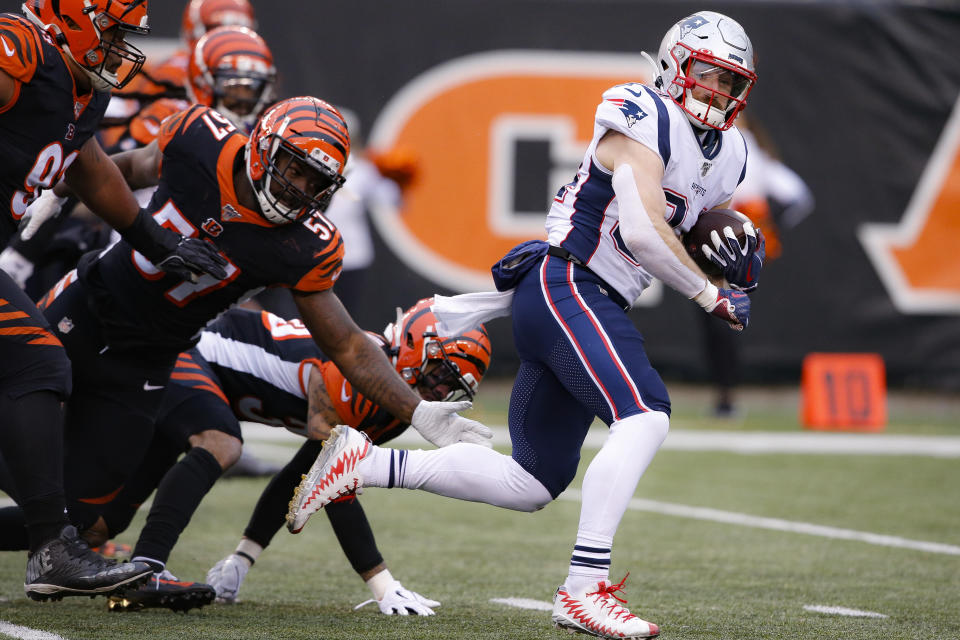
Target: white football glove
[226,577]
[39,211]
[398,601]
[16,266]
[439,423]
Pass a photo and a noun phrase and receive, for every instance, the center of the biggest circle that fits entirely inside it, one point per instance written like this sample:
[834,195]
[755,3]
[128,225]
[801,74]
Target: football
[699,234]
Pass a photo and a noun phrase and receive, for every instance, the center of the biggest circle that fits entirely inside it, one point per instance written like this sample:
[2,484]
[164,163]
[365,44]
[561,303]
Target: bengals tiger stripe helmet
[231,70]
[295,157]
[440,368]
[77,26]
[201,16]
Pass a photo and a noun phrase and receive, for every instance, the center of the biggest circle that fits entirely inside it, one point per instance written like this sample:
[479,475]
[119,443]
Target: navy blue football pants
[581,357]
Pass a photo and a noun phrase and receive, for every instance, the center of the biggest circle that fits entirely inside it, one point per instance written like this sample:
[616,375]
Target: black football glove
[187,258]
[191,258]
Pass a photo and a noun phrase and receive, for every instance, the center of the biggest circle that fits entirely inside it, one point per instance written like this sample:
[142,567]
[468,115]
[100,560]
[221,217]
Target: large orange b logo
[495,135]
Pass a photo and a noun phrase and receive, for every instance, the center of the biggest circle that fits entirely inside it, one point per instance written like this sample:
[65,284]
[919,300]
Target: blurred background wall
[492,102]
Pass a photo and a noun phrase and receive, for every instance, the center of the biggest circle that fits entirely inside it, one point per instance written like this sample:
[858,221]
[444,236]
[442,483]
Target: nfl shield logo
[228,213]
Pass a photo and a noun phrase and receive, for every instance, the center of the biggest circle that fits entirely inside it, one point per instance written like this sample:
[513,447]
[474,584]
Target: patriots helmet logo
[631,110]
[691,23]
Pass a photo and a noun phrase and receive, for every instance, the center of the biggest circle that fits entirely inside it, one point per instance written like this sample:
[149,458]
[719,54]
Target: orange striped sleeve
[329,264]
[21,49]
[176,123]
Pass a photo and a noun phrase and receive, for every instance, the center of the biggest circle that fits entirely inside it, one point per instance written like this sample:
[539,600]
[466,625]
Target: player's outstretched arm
[367,368]
[360,360]
[102,186]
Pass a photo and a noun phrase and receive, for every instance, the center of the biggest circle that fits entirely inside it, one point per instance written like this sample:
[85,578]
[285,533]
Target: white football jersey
[698,176]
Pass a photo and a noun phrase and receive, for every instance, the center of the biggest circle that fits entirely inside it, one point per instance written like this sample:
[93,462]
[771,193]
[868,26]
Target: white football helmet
[706,65]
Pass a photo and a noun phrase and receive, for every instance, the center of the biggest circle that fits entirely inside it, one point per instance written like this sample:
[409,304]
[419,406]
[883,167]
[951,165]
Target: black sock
[354,534]
[159,459]
[178,496]
[13,530]
[271,510]
[32,443]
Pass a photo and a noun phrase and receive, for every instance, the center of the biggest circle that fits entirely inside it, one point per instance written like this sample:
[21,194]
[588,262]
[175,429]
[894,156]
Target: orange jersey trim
[228,192]
[103,499]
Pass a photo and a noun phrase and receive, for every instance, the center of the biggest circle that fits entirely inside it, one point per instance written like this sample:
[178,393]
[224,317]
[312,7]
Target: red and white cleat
[599,612]
[333,475]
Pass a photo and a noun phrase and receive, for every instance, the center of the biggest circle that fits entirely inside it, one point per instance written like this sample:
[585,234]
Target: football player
[657,159]
[58,63]
[231,70]
[201,16]
[258,367]
[259,201]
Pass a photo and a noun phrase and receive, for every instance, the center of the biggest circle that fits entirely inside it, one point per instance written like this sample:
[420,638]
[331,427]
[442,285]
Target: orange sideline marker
[844,391]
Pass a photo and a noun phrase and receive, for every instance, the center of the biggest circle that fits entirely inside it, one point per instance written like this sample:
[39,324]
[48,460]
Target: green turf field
[697,578]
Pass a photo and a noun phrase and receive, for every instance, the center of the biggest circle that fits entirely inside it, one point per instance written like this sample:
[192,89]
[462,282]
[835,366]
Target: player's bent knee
[224,447]
[528,493]
[655,421]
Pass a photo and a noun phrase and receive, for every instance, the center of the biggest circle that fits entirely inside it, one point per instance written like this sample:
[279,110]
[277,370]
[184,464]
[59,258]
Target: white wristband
[379,583]
[708,297]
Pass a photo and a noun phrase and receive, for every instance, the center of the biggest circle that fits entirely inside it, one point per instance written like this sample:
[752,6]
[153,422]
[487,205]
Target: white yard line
[803,442]
[843,611]
[776,524]
[25,633]
[524,603]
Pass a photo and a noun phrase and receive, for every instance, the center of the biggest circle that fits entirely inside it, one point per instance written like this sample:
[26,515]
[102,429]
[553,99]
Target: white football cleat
[598,612]
[333,475]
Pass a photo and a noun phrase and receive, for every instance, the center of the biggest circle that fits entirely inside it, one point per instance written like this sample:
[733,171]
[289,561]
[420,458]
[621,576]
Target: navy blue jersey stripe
[663,127]
[746,152]
[594,197]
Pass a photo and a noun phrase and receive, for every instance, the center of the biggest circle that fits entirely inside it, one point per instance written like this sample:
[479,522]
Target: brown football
[699,234]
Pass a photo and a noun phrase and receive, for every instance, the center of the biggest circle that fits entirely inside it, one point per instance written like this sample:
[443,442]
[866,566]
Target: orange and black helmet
[77,26]
[304,135]
[231,70]
[440,368]
[201,16]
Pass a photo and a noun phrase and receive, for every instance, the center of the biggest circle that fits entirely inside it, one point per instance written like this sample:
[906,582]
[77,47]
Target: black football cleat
[66,566]
[163,591]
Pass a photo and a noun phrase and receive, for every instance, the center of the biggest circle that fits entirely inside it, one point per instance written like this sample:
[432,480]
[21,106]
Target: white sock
[611,481]
[463,471]
[589,562]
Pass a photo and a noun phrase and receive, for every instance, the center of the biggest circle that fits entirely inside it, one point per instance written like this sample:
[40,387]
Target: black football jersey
[139,305]
[260,365]
[45,124]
